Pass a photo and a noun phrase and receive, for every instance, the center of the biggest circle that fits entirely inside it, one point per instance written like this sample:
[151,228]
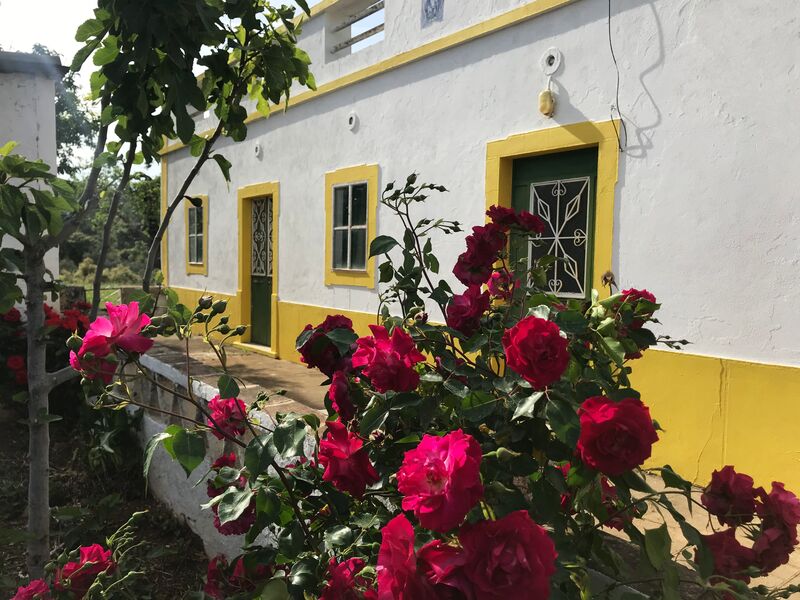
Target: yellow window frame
[200,268]
[357,174]
[501,154]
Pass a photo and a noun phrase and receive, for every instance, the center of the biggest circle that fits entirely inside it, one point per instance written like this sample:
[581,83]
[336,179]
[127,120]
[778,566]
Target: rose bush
[486,457]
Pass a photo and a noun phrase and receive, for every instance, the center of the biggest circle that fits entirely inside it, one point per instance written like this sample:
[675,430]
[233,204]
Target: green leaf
[571,321]
[7,148]
[564,421]
[386,272]
[342,339]
[615,350]
[275,590]
[259,454]
[381,245]
[189,449]
[338,536]
[657,546]
[233,503]
[526,406]
[290,540]
[228,388]
[477,406]
[150,449]
[673,480]
[224,166]
[107,52]
[373,418]
[289,437]
[88,29]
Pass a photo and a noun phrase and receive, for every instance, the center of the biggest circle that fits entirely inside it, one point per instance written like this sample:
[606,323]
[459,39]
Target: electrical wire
[616,105]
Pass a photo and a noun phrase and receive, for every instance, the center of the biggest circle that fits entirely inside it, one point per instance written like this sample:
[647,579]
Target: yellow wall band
[500,156]
[473,32]
[359,174]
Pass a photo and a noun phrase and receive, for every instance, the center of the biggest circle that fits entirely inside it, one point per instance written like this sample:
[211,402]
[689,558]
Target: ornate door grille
[563,205]
[261,262]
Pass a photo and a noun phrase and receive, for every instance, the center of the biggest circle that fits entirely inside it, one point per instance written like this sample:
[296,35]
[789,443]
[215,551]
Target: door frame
[245,195]
[500,156]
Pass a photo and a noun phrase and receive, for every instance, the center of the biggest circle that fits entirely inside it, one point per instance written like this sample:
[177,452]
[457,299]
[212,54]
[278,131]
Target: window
[351,201]
[196,219]
[350,227]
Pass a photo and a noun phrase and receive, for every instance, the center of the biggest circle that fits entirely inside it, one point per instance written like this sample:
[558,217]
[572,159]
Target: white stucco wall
[28,116]
[707,203]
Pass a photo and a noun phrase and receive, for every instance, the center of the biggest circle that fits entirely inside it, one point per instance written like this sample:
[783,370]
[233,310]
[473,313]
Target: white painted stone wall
[707,203]
[28,116]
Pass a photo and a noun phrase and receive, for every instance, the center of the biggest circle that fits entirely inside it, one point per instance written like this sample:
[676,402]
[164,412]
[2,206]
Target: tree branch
[109,224]
[156,245]
[56,378]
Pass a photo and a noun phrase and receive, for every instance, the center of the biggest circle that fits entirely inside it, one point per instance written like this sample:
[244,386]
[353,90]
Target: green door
[560,189]
[261,271]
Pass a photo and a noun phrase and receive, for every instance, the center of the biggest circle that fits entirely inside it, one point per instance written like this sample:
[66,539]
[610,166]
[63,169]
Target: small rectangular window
[195,234]
[350,227]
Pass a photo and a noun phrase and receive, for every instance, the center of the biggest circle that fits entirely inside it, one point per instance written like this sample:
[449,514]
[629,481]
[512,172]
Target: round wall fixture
[550,61]
[258,151]
[352,121]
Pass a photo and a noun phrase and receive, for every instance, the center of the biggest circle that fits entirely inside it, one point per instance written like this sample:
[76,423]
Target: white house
[28,113]
[681,117]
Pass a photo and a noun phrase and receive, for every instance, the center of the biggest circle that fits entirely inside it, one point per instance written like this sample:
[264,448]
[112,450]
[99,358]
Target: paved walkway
[256,372]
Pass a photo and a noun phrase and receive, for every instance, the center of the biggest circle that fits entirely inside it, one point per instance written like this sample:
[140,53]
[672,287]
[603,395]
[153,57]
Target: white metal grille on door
[261,262]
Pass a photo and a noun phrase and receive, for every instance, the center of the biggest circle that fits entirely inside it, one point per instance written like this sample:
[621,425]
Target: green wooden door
[560,189]
[261,271]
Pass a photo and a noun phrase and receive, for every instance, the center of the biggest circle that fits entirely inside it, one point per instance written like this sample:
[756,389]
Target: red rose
[243,522]
[731,559]
[345,460]
[15,362]
[14,316]
[502,284]
[388,362]
[730,497]
[35,590]
[339,394]
[78,576]
[780,508]
[502,216]
[220,585]
[474,266]
[92,359]
[530,222]
[21,377]
[440,479]
[442,565]
[226,460]
[615,436]
[465,310]
[536,350]
[318,351]
[772,549]
[618,515]
[344,581]
[632,297]
[508,557]
[397,564]
[228,417]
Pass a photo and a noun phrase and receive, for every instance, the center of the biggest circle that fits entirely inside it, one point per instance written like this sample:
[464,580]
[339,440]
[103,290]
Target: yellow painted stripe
[473,32]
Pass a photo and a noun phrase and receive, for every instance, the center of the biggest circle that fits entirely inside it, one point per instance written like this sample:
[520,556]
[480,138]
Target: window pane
[360,204]
[199,252]
[340,208]
[192,249]
[358,249]
[340,249]
[198,219]
[190,227]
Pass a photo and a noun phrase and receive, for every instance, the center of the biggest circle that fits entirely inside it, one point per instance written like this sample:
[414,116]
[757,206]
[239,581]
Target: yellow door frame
[500,156]
[244,196]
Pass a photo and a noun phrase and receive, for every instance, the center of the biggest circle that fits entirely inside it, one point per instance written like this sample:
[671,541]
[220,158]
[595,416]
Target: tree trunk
[38,424]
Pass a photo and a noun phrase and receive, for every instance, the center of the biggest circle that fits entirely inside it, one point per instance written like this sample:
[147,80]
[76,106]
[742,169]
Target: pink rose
[35,590]
[123,327]
[440,479]
[780,508]
[465,310]
[508,557]
[773,548]
[91,361]
[346,462]
[731,559]
[388,362]
[339,394]
[345,583]
[398,576]
[536,350]
[615,436]
[228,417]
[78,576]
[730,497]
